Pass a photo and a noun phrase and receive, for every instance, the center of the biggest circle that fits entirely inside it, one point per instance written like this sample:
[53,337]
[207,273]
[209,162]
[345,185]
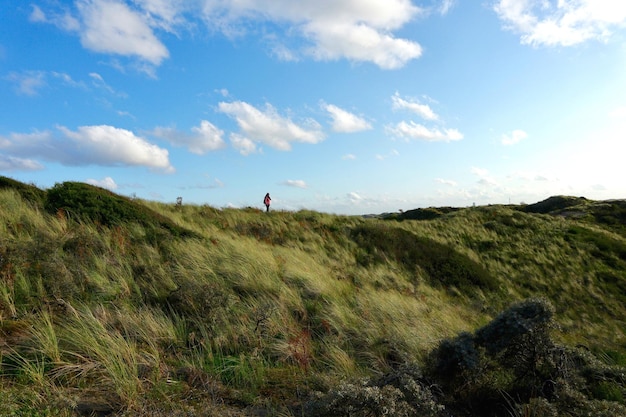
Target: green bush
[83,202]
[29,193]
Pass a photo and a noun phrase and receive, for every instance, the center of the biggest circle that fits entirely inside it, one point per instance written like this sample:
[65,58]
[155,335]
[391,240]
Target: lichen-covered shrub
[401,393]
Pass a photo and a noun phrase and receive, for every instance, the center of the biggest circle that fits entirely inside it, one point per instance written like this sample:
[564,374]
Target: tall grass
[250,304]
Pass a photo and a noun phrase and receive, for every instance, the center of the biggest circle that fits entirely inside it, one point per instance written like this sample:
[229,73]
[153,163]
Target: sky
[338,106]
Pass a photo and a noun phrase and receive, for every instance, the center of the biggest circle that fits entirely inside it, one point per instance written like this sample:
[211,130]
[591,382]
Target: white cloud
[11,163]
[28,83]
[446,5]
[446,182]
[203,139]
[110,26]
[354,197]
[99,82]
[561,23]
[108,145]
[89,145]
[268,127]
[165,14]
[336,29]
[483,177]
[412,130]
[244,145]
[63,20]
[359,31]
[349,156]
[422,110]
[107,183]
[514,137]
[295,183]
[113,27]
[361,43]
[344,121]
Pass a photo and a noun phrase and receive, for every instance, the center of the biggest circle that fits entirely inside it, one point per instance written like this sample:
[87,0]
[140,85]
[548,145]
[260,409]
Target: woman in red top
[267,201]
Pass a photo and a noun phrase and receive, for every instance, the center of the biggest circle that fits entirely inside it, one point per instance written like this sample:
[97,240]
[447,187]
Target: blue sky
[340,106]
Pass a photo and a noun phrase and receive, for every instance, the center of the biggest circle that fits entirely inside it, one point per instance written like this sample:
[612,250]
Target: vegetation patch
[103,312]
[29,193]
[84,202]
[444,266]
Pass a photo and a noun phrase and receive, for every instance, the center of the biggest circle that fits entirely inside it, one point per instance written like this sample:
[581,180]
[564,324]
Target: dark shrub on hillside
[401,393]
[511,365]
[442,263]
[555,203]
[84,202]
[530,316]
[29,193]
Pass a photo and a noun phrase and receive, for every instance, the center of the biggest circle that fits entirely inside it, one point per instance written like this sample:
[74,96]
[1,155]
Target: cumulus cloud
[321,29]
[202,139]
[108,145]
[412,130]
[111,26]
[422,110]
[514,137]
[333,29]
[268,127]
[11,163]
[114,27]
[89,145]
[106,182]
[244,145]
[295,183]
[562,23]
[344,121]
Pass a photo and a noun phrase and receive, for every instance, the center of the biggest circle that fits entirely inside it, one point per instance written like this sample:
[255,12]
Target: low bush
[401,393]
[513,365]
[84,202]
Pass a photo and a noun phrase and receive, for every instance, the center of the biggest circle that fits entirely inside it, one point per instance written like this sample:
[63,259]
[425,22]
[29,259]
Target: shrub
[506,331]
[84,202]
[401,393]
[29,193]
[514,357]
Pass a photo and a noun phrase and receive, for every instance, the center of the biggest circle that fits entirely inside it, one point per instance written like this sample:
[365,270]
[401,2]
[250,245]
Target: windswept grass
[164,307]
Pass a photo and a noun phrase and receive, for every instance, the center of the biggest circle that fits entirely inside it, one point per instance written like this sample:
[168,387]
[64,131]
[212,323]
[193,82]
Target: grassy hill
[114,306]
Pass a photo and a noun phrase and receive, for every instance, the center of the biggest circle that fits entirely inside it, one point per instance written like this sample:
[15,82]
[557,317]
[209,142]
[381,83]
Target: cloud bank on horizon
[383,82]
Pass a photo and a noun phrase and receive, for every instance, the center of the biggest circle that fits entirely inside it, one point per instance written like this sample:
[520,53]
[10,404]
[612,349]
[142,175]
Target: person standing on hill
[267,200]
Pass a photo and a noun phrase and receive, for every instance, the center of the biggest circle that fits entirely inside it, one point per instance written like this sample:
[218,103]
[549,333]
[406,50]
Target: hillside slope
[116,306]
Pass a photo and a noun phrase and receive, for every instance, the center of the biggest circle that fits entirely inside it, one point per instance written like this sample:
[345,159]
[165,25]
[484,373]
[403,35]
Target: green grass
[154,304]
